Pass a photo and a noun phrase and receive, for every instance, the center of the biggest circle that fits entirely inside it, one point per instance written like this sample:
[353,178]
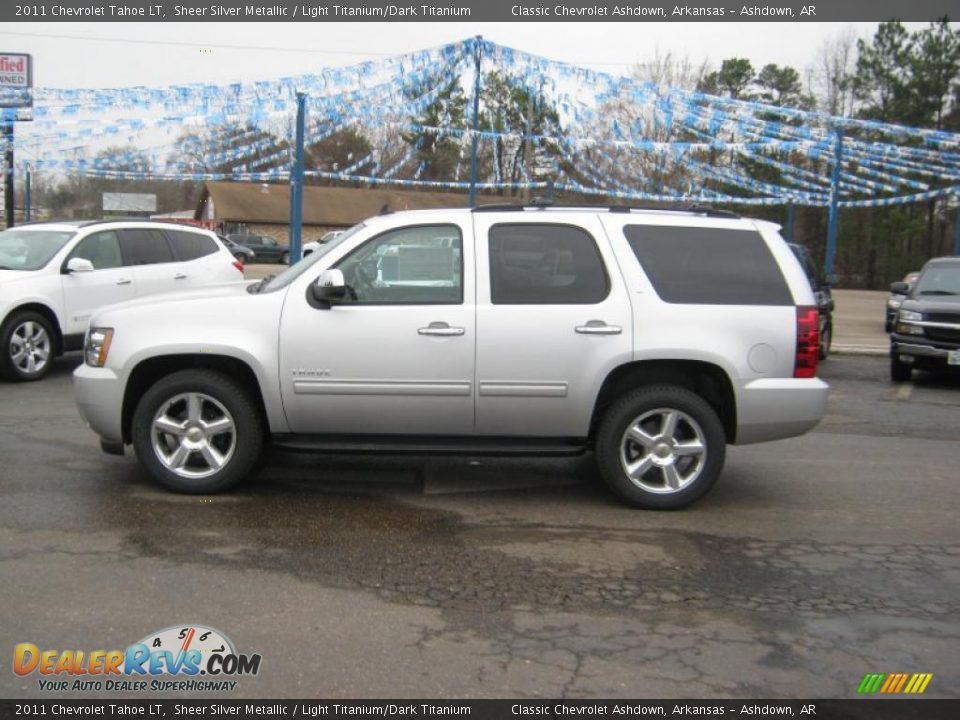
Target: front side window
[145,247]
[30,249]
[545,264]
[418,265]
[102,249]
[276,282]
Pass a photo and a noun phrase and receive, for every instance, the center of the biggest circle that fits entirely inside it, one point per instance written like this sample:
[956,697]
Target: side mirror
[832,279]
[329,287]
[900,288]
[78,265]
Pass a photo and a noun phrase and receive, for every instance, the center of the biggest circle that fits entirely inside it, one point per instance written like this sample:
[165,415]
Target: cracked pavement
[813,561]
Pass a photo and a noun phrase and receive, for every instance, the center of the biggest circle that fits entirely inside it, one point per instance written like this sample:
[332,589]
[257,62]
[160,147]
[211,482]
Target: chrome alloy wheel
[30,348]
[193,435]
[663,451]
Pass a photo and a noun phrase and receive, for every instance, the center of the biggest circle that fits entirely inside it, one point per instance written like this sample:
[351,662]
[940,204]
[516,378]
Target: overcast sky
[116,54]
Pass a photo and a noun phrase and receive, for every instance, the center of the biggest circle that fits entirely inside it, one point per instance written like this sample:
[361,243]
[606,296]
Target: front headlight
[96,346]
[910,316]
[894,302]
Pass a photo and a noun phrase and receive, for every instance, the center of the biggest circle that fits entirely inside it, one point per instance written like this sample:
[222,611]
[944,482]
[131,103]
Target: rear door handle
[179,276]
[440,328]
[124,281]
[598,327]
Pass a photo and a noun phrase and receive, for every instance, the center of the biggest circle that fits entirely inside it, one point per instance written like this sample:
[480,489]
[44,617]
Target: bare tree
[670,70]
[834,68]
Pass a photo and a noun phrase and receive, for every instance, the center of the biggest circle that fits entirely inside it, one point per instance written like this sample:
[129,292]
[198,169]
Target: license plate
[953,357]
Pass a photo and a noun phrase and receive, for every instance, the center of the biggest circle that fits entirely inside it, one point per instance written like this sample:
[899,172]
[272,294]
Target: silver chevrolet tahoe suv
[651,337]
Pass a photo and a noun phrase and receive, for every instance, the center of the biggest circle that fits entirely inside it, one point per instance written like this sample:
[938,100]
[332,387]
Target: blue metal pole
[27,209]
[475,139]
[790,222]
[832,218]
[956,229]
[296,183]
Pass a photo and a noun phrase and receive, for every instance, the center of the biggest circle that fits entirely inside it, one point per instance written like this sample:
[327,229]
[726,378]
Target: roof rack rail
[541,204]
[711,211]
[498,207]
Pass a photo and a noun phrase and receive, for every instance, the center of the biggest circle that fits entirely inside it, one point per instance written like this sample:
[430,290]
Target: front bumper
[922,351]
[776,408]
[99,396]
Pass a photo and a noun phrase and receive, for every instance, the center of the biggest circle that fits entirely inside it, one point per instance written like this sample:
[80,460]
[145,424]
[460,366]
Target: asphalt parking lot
[813,561]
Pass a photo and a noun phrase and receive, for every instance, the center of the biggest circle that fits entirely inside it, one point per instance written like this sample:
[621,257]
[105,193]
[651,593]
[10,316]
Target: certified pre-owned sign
[16,79]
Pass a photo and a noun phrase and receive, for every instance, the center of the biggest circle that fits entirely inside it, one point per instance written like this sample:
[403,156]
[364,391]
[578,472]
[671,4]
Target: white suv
[651,337]
[55,275]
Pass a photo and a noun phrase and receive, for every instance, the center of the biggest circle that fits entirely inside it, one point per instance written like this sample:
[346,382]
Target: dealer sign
[16,80]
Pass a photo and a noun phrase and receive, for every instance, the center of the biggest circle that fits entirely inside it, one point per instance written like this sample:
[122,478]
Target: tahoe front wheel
[660,447]
[197,431]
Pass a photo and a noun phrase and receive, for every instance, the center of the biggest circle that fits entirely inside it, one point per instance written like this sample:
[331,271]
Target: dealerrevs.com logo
[178,658]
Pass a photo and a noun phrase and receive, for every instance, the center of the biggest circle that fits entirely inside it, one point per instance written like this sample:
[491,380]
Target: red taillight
[238,265]
[808,343]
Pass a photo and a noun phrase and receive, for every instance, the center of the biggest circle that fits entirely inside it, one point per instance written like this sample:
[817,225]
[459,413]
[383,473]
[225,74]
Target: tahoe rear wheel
[660,447]
[27,341]
[197,431]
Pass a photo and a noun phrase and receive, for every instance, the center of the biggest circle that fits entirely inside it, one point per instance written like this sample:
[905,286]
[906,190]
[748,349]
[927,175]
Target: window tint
[145,247]
[190,245]
[545,264]
[708,266]
[102,249]
[420,265]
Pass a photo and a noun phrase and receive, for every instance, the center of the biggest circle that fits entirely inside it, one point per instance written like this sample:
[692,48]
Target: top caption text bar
[473,11]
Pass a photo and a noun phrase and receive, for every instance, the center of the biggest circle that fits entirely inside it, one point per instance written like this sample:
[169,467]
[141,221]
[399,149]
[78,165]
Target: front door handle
[124,281]
[598,327]
[179,276]
[440,328]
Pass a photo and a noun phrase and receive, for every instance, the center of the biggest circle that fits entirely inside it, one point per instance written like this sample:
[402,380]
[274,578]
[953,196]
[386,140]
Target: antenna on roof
[385,210]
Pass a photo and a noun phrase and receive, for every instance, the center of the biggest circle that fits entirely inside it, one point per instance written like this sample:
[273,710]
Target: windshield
[277,282]
[30,249]
[939,280]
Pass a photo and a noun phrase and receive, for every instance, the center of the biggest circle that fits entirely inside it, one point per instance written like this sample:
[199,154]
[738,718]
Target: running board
[420,445]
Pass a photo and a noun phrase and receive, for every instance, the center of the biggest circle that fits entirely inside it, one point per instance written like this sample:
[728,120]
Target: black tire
[247,434]
[826,341]
[18,329]
[613,447]
[285,259]
[899,371]
[242,257]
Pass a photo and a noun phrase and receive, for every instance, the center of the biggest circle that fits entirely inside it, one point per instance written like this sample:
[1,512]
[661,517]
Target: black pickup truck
[926,333]
[821,285]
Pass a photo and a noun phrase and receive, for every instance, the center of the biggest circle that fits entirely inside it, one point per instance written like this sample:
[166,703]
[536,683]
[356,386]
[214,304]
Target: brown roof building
[264,209]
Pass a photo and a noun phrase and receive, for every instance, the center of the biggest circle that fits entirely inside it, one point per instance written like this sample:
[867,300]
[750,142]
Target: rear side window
[145,247]
[708,266]
[190,245]
[532,264]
